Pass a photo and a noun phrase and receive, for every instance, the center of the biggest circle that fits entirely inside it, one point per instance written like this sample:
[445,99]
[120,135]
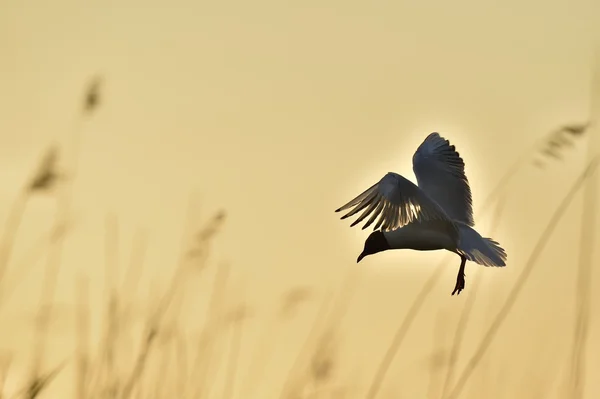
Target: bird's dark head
[376,242]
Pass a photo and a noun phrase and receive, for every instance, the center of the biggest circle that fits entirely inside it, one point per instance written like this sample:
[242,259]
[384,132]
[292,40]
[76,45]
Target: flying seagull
[435,214]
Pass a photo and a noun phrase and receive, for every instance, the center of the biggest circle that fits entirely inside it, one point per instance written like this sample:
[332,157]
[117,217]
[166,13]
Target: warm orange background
[279,113]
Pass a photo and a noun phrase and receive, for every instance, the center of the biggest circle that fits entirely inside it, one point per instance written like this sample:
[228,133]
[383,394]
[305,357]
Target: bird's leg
[460,278]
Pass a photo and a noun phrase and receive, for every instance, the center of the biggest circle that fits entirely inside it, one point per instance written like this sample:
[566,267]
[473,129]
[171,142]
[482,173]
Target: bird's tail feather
[482,250]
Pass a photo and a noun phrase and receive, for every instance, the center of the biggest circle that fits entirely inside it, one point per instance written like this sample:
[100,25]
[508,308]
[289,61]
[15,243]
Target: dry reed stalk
[402,331]
[140,363]
[470,302]
[586,251]
[83,333]
[133,383]
[263,350]
[54,259]
[26,264]
[182,365]
[289,385]
[198,254]
[237,324]
[160,311]
[261,356]
[35,387]
[216,362]
[205,350]
[111,339]
[161,378]
[135,267]
[297,378]
[44,178]
[500,187]
[116,311]
[439,332]
[11,228]
[522,279]
[323,359]
[4,367]
[170,302]
[292,300]
[129,285]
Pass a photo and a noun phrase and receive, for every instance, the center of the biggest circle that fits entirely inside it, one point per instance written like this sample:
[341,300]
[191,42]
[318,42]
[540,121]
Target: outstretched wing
[397,201]
[440,173]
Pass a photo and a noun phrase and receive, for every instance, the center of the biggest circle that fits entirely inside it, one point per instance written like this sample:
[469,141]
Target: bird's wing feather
[440,173]
[397,202]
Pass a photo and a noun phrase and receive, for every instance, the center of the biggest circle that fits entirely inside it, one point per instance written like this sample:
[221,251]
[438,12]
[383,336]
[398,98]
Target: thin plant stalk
[310,338]
[267,343]
[54,259]
[132,382]
[204,355]
[439,333]
[129,285]
[521,280]
[234,354]
[164,303]
[140,363]
[25,265]
[111,248]
[261,356]
[181,352]
[430,283]
[4,368]
[134,269]
[83,333]
[11,228]
[162,375]
[586,251]
[178,277]
[407,322]
[467,309]
[296,374]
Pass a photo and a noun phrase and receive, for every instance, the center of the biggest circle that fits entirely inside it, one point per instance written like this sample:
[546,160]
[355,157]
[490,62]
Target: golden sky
[281,112]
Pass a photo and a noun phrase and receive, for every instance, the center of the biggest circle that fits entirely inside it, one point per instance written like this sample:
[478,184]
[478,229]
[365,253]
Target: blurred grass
[167,362]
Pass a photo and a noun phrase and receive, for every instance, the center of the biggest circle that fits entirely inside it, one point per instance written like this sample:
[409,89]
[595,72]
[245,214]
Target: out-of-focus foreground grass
[163,358]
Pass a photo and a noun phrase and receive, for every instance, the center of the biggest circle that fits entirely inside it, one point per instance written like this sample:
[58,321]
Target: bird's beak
[362,255]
